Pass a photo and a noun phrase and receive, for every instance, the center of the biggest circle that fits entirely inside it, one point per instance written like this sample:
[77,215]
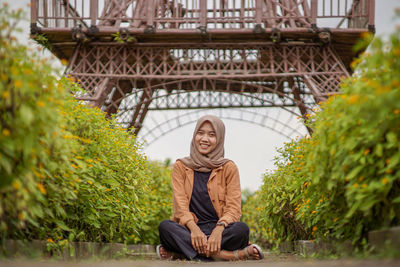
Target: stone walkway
[157,263]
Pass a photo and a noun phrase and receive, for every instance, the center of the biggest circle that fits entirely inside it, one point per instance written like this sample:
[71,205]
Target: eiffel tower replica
[135,56]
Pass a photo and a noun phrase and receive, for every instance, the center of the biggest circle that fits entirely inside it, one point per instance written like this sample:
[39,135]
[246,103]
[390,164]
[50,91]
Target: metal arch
[264,89]
[157,131]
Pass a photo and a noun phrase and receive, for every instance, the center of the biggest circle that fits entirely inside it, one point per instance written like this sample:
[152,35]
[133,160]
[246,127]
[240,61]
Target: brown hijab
[215,159]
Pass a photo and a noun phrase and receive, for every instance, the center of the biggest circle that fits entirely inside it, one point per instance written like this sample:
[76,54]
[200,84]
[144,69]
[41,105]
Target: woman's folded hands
[214,242]
[209,247]
[198,238]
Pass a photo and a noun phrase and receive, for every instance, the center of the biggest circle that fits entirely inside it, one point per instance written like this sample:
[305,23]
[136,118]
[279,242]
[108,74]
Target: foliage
[157,201]
[272,210]
[28,121]
[251,215]
[344,180]
[68,173]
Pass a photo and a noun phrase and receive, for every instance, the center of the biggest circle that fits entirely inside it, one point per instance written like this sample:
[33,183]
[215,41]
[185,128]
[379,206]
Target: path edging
[77,250]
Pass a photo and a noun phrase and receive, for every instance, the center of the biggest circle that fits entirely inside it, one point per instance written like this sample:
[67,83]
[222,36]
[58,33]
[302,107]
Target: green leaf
[62,225]
[354,172]
[379,150]
[396,200]
[392,138]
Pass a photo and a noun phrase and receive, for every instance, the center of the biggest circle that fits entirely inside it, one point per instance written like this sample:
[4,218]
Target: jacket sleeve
[233,196]
[182,215]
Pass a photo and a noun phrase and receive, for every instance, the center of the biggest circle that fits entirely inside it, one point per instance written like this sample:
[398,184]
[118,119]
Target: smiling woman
[207,203]
[205,139]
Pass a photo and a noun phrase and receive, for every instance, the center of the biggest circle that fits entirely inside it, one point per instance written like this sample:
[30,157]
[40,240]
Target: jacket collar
[190,174]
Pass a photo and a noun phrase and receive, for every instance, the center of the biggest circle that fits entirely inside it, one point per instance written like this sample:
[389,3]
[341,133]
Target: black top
[200,203]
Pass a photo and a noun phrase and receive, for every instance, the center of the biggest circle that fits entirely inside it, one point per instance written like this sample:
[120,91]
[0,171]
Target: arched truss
[237,94]
[163,124]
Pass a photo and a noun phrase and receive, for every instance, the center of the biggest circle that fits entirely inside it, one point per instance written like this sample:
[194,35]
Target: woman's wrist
[219,228]
[192,226]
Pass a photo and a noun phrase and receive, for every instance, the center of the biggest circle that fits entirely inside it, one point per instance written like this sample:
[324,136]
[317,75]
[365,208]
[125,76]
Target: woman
[206,203]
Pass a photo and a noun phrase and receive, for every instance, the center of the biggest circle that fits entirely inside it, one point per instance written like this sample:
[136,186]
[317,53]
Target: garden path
[157,263]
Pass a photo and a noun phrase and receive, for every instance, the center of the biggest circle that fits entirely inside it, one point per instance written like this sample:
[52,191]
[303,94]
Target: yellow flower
[355,185]
[50,240]
[6,132]
[366,152]
[353,99]
[389,171]
[314,228]
[385,180]
[396,111]
[21,216]
[5,95]
[335,219]
[27,71]
[40,104]
[90,182]
[16,185]
[41,188]
[314,211]
[365,35]
[17,84]
[383,89]
[364,185]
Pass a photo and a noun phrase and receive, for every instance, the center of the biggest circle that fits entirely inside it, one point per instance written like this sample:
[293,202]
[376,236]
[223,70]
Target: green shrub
[357,157]
[156,203]
[345,180]
[29,123]
[274,209]
[260,230]
[68,173]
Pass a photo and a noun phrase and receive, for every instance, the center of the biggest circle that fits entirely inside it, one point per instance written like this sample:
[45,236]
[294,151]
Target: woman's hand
[214,241]
[198,238]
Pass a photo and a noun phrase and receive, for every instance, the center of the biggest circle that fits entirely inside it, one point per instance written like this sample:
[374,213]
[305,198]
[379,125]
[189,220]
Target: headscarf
[214,159]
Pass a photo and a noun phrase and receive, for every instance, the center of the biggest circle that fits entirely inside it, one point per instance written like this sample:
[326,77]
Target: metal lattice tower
[134,56]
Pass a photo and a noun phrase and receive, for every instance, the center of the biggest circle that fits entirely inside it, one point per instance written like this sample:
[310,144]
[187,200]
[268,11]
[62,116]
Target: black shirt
[200,203]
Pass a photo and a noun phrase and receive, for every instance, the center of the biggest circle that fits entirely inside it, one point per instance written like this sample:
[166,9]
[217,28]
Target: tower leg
[323,86]
[123,87]
[141,110]
[102,92]
[299,101]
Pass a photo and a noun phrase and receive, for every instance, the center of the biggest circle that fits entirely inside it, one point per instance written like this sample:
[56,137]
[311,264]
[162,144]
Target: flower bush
[344,180]
[273,209]
[67,172]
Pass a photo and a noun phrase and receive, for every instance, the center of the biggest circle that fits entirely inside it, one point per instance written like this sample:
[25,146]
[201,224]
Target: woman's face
[205,139]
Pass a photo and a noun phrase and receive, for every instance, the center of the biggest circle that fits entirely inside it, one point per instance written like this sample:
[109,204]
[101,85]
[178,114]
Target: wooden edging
[379,240]
[76,250]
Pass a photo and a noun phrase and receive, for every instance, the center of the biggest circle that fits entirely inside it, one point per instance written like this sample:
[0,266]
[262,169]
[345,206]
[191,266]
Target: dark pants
[175,237]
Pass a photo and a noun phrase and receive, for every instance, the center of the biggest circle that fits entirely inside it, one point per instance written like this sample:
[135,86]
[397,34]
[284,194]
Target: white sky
[251,147]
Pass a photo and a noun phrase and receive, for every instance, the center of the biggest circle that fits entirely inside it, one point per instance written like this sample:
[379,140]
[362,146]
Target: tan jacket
[223,189]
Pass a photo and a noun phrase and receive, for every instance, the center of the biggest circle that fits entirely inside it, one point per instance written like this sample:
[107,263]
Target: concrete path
[157,263]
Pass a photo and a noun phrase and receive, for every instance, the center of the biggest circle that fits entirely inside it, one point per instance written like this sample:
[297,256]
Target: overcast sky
[250,146]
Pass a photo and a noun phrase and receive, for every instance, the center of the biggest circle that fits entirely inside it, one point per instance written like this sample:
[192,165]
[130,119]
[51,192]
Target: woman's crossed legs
[175,240]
